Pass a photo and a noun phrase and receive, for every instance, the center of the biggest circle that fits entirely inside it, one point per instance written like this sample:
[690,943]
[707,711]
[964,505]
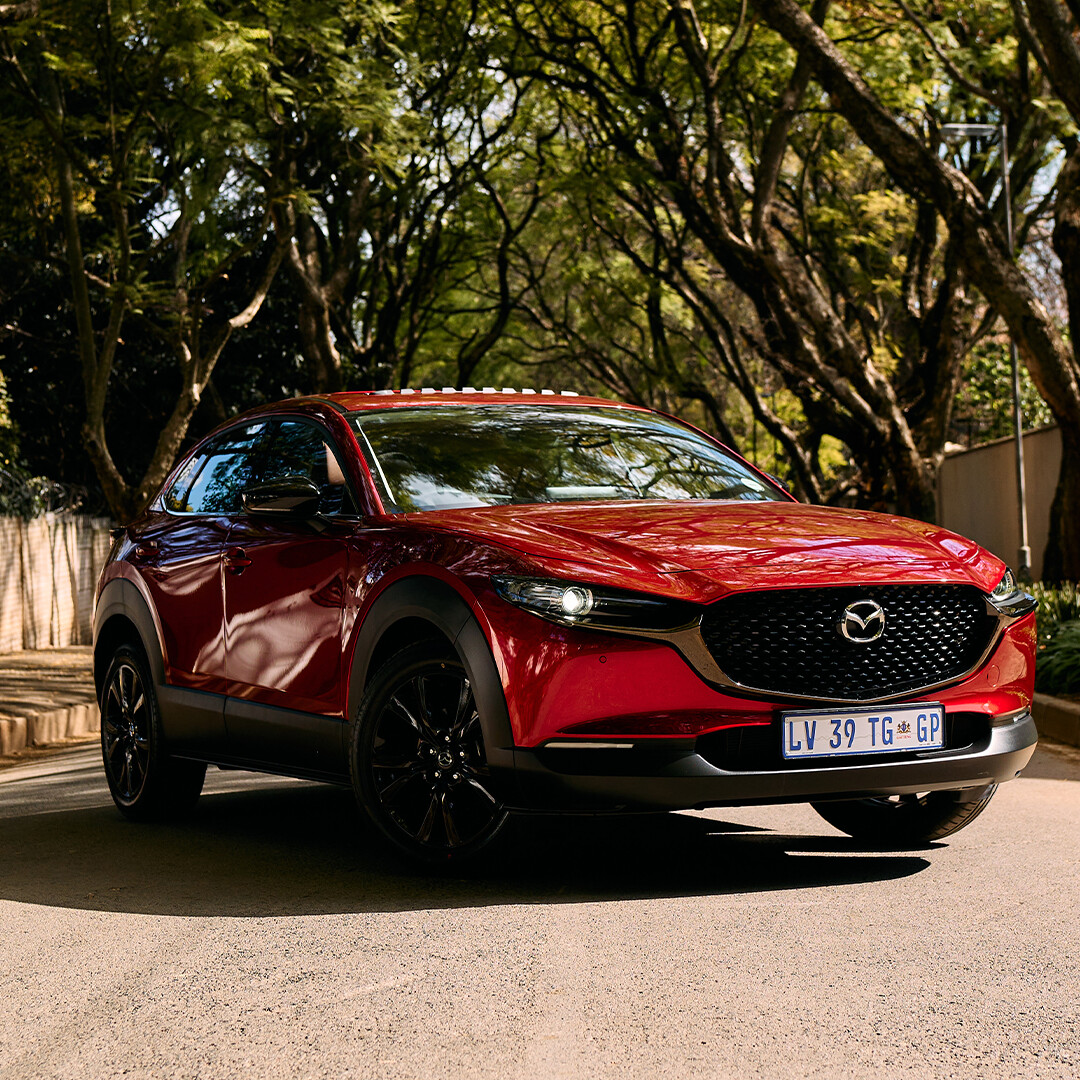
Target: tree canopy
[743,212]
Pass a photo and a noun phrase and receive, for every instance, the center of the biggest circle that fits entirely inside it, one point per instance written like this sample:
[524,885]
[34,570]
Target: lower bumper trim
[678,778]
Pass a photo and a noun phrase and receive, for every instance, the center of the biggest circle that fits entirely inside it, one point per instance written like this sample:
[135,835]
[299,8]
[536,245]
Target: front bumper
[677,776]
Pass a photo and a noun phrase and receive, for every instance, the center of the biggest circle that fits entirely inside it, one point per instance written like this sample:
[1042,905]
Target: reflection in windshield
[432,458]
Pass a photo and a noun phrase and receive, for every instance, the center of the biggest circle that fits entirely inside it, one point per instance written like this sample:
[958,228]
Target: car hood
[735,545]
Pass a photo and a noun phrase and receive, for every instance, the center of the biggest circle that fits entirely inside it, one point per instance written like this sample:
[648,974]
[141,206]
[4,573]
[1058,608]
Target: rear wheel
[418,765]
[143,780]
[899,820]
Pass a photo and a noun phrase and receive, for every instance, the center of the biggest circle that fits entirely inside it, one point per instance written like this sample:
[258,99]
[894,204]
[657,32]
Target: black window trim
[273,422]
[205,449]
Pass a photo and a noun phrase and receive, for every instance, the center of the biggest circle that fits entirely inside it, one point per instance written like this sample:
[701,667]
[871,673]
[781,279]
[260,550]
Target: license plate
[846,733]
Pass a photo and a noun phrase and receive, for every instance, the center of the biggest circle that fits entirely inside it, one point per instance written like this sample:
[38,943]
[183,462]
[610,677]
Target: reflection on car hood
[737,545]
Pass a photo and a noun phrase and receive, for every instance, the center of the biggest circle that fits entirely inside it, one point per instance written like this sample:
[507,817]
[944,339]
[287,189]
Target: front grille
[756,748]
[787,641]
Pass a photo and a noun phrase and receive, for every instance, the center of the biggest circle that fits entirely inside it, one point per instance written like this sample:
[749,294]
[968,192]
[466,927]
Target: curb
[1057,718]
[42,729]
[47,697]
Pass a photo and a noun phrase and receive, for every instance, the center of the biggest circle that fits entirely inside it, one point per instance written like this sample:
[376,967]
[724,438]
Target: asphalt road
[268,937]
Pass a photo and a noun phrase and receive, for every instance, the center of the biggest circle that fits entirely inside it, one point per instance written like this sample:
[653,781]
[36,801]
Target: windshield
[436,458]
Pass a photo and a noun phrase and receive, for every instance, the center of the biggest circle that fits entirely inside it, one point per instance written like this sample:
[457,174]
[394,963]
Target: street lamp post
[967,131]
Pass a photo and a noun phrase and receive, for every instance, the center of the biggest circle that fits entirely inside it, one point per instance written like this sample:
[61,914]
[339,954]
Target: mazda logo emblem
[862,622]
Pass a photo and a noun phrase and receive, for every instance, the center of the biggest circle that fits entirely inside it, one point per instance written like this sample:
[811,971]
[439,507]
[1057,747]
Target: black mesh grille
[787,641]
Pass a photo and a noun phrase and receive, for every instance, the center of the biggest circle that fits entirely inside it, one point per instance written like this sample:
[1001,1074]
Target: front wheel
[418,766]
[143,780]
[901,820]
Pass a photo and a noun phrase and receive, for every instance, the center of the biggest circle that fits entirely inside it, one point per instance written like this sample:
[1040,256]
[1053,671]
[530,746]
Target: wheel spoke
[403,713]
[477,786]
[452,836]
[427,826]
[137,771]
[422,701]
[384,763]
[393,791]
[465,711]
[125,691]
[470,729]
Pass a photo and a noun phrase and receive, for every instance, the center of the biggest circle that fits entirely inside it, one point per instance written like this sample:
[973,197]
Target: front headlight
[573,604]
[1006,586]
[1009,599]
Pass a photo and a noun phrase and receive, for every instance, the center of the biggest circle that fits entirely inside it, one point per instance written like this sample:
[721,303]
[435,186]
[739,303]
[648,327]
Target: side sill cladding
[437,603]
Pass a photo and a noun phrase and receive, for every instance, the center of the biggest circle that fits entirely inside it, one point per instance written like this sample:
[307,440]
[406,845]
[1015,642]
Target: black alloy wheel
[125,731]
[907,820]
[143,780]
[418,765]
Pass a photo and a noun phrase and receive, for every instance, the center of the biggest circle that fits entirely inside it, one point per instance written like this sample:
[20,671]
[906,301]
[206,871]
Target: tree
[1047,31]
[792,252]
[400,246]
[154,124]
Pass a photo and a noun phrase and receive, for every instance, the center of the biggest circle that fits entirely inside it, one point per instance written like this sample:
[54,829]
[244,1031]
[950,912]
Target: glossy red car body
[262,634]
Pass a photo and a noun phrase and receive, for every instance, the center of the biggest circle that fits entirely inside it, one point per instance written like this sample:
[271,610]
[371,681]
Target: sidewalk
[46,698]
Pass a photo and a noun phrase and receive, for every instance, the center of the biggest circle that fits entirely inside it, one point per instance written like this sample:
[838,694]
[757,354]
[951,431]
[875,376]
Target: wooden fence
[977,494]
[48,570]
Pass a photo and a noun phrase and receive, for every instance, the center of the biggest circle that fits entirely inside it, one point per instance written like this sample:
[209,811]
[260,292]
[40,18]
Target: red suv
[467,603]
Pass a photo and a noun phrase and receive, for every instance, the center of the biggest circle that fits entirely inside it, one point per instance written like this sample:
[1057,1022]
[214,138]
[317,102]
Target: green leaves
[1057,664]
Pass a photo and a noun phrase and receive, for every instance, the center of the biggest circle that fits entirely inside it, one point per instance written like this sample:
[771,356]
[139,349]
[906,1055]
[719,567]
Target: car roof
[350,402]
[364,400]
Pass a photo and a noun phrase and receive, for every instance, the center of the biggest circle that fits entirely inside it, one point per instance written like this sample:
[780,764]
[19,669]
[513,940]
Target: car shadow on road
[299,849]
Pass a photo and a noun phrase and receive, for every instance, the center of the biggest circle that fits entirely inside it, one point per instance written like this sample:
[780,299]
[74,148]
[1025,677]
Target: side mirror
[286,497]
[780,484]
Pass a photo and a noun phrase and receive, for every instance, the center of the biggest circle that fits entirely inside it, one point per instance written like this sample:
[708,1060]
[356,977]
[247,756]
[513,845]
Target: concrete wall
[977,494]
[48,570]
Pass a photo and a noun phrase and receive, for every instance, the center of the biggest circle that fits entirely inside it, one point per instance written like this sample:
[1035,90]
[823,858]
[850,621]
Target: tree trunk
[1062,559]
[317,341]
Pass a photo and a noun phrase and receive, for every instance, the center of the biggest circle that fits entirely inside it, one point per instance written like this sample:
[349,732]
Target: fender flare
[121,597]
[438,603]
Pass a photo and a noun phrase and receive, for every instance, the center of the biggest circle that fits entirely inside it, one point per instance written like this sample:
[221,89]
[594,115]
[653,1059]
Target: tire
[143,780]
[417,759]
[907,820]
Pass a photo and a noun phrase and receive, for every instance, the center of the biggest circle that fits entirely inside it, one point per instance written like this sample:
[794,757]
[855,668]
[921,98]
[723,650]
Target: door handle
[236,560]
[144,550]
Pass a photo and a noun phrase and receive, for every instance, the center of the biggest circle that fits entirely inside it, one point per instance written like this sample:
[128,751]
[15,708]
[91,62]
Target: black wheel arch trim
[121,597]
[434,601]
